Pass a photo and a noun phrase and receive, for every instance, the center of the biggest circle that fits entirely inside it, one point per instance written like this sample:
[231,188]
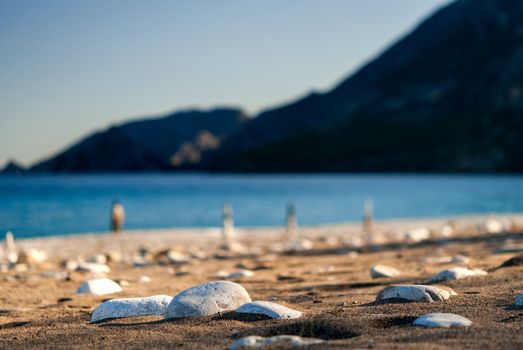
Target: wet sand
[329,283]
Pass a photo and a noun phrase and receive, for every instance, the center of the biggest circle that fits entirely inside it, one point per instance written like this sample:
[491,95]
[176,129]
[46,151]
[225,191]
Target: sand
[329,284]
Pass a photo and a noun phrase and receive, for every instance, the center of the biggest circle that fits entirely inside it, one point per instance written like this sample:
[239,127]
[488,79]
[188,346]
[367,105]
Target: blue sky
[70,67]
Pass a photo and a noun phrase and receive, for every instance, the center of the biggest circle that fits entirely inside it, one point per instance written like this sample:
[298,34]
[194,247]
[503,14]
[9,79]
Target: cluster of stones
[202,300]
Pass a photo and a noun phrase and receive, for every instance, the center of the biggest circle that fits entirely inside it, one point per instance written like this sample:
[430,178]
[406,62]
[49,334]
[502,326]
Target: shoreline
[73,245]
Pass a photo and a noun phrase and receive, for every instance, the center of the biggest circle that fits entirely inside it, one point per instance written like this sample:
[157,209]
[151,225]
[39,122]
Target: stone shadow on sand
[316,327]
[146,320]
[356,285]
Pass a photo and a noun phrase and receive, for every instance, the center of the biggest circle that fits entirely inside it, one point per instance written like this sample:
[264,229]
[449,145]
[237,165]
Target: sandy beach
[321,271]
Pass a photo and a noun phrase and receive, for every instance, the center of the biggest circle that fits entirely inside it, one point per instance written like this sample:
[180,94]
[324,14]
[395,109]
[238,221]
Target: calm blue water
[52,205]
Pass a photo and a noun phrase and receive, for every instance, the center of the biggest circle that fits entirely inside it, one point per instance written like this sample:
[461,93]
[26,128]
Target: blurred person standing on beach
[117,217]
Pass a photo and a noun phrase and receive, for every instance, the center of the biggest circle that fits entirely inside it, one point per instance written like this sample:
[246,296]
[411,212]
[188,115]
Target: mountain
[12,168]
[447,97]
[170,142]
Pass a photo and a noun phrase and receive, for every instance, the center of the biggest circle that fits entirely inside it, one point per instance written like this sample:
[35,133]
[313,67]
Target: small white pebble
[144,279]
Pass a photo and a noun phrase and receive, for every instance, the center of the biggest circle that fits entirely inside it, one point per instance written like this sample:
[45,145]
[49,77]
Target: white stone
[460,259]
[491,226]
[442,320]
[32,256]
[97,258]
[240,274]
[144,279]
[222,273]
[124,283]
[99,286]
[12,257]
[456,259]
[21,267]
[255,341]
[330,240]
[58,275]
[456,273]
[269,309]
[352,254]
[70,265]
[266,258]
[131,307]
[277,247]
[177,257]
[114,256]
[417,235]
[235,247]
[415,293]
[437,260]
[447,231]
[323,269]
[519,301]
[354,241]
[141,262]
[383,271]
[198,254]
[208,299]
[300,245]
[95,268]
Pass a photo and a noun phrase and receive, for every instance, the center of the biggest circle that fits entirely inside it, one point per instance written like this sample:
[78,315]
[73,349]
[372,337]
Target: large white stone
[442,320]
[456,273]
[269,309]
[415,293]
[130,307]
[99,286]
[95,268]
[254,341]
[208,299]
[383,271]
[519,301]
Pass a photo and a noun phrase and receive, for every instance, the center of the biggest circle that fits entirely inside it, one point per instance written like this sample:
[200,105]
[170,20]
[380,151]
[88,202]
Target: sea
[38,205]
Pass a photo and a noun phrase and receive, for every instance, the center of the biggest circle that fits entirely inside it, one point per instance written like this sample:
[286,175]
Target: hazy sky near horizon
[68,68]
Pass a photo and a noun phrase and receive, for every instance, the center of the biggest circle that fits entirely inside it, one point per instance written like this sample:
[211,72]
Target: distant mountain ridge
[448,97]
[147,145]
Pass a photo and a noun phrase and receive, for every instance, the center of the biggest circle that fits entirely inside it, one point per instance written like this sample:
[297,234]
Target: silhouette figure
[117,217]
